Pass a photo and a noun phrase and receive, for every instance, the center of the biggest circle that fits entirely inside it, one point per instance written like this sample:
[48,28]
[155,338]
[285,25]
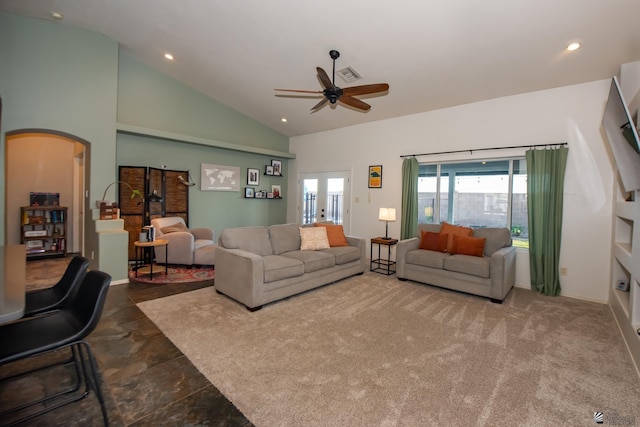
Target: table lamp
[387,214]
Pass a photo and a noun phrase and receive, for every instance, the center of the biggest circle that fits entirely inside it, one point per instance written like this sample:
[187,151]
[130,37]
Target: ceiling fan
[333,93]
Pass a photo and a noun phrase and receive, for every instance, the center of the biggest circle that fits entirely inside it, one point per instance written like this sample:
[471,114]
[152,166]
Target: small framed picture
[375,176]
[259,195]
[277,167]
[277,192]
[253,176]
[268,170]
[269,195]
[248,193]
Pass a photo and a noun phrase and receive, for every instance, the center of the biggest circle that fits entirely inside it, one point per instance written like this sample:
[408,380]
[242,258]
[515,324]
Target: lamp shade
[387,214]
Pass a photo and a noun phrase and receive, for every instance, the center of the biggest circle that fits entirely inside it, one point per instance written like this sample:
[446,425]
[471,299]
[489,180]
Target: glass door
[325,197]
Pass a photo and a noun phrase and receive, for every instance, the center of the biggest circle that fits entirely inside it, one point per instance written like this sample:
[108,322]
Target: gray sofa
[258,265]
[490,276]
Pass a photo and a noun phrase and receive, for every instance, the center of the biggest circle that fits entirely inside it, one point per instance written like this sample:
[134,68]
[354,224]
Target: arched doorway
[46,161]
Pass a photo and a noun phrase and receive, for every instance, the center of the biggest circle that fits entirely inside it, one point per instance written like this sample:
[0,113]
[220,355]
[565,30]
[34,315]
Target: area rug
[374,351]
[176,275]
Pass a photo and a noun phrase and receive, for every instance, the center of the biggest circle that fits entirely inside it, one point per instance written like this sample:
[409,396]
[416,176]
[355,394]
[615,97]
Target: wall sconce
[387,214]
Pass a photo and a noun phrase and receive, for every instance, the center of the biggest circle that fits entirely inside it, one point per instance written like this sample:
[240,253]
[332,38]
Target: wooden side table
[383,265]
[141,248]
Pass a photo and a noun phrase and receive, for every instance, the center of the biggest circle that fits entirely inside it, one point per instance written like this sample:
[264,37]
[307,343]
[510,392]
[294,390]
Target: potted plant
[134,193]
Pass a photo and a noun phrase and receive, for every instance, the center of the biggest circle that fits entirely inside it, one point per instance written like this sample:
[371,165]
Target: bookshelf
[43,230]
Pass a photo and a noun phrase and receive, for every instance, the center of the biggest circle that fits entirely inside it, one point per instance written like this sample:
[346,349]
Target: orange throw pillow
[335,233]
[433,241]
[468,245]
[454,230]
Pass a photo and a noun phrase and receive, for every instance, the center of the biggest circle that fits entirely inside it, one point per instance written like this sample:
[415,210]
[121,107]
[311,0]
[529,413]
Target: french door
[324,196]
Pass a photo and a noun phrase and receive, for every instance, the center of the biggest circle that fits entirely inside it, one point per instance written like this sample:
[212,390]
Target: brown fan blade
[300,91]
[319,105]
[365,89]
[354,102]
[324,79]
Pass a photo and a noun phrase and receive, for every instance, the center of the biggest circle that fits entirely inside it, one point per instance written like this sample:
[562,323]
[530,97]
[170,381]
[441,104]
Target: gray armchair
[186,246]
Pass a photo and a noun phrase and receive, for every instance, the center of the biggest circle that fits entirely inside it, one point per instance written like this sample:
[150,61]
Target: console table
[383,265]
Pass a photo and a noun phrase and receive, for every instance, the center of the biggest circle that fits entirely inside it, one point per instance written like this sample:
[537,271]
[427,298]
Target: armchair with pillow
[186,246]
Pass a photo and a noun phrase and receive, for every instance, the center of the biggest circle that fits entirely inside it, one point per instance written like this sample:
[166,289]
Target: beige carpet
[374,351]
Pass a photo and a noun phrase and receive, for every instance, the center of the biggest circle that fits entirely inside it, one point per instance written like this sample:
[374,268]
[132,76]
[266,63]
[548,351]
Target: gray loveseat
[257,265]
[492,275]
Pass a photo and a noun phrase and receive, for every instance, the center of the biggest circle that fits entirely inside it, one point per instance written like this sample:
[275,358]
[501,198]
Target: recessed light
[284,120]
[168,56]
[56,15]
[573,46]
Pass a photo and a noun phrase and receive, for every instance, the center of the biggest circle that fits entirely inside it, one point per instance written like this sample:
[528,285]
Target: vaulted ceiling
[433,54]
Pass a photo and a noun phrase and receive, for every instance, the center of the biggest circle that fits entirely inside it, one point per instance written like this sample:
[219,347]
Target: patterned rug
[176,275]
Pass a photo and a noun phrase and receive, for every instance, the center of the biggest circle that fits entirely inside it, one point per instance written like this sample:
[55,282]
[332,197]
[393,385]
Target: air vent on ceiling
[349,74]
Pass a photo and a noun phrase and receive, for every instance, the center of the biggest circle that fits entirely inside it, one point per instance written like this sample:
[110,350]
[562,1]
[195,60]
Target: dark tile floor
[145,379]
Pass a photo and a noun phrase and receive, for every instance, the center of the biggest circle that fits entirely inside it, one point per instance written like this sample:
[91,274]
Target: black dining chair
[43,300]
[65,328]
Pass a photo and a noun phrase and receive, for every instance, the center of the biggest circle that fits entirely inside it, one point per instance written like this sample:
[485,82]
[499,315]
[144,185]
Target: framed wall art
[219,178]
[277,191]
[375,176]
[277,167]
[248,193]
[253,176]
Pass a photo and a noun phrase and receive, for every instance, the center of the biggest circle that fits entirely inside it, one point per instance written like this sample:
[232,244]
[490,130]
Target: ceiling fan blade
[365,89]
[301,91]
[354,102]
[319,105]
[324,79]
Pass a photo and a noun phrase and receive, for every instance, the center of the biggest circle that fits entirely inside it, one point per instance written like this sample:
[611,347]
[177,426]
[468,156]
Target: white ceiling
[433,54]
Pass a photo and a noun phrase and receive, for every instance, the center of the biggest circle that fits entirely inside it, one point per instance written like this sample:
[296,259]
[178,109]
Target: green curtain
[545,186]
[409,221]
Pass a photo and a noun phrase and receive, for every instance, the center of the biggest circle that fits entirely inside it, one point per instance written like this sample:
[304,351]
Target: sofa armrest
[361,244]
[240,275]
[404,246]
[503,272]
[180,249]
[203,233]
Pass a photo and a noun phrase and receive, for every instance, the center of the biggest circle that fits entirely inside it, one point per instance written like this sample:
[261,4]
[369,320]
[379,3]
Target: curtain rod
[486,149]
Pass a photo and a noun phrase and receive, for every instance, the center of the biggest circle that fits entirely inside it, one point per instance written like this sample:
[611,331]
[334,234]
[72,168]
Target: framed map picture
[375,176]
[219,178]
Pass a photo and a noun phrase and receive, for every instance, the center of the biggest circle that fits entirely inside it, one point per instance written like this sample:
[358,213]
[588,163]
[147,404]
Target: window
[490,193]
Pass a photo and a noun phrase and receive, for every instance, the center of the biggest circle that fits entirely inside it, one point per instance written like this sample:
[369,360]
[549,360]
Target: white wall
[569,114]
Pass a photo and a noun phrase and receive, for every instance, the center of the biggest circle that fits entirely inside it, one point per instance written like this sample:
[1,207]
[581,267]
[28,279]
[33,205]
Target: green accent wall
[64,79]
[61,78]
[212,209]
[150,99]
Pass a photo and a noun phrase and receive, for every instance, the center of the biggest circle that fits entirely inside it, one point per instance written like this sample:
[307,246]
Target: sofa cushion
[497,238]
[253,239]
[433,241]
[473,246]
[312,260]
[335,234]
[426,258]
[313,238]
[284,238]
[452,230]
[278,267]
[473,265]
[344,254]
